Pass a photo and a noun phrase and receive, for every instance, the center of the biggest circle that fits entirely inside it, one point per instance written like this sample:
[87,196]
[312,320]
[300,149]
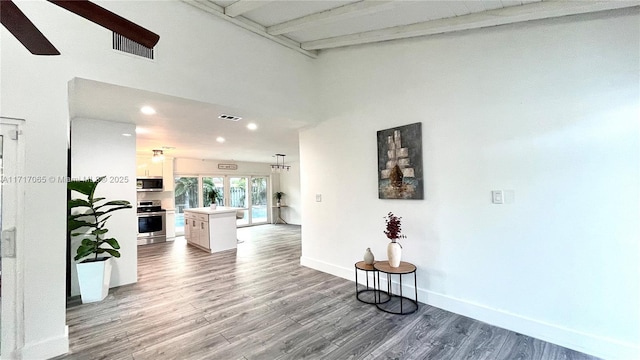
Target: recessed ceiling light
[126,134]
[252,126]
[140,130]
[147,110]
[220,139]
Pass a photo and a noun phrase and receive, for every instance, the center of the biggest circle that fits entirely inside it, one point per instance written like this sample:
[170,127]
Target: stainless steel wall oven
[152,226]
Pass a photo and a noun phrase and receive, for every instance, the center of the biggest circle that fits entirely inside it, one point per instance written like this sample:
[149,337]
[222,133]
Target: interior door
[11,320]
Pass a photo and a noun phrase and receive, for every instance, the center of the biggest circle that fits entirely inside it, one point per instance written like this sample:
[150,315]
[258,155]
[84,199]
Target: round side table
[397,304]
[369,295]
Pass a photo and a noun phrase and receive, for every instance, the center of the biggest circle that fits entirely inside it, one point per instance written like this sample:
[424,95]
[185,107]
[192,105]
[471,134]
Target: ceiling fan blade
[109,20]
[23,29]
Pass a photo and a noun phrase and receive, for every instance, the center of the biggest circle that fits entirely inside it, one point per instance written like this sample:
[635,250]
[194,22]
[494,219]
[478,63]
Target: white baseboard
[587,343]
[325,267]
[592,344]
[47,349]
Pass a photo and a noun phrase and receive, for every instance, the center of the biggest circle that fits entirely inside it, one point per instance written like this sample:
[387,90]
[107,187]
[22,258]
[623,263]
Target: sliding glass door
[248,193]
[239,189]
[259,199]
[187,196]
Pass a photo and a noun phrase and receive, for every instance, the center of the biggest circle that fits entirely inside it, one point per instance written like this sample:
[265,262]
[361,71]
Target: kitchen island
[212,230]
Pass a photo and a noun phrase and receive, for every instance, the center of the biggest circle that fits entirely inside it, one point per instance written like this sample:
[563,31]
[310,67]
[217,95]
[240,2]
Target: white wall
[184,166]
[189,65]
[98,148]
[290,185]
[548,110]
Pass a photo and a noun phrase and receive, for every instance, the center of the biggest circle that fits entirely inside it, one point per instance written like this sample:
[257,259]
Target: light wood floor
[259,303]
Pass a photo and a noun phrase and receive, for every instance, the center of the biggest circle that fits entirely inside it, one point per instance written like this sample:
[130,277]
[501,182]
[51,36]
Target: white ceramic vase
[93,279]
[394,253]
[368,257]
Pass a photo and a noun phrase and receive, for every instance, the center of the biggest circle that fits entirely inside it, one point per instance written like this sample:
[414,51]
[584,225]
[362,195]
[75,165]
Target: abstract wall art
[400,163]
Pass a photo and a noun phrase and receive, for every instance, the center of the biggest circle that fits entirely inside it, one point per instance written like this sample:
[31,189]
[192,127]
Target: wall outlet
[497,197]
[318,197]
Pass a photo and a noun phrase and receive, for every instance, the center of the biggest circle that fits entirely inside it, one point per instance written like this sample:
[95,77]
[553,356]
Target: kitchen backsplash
[166,197]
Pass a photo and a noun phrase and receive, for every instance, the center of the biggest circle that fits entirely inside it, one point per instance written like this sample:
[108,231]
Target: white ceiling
[311,25]
[307,26]
[191,127]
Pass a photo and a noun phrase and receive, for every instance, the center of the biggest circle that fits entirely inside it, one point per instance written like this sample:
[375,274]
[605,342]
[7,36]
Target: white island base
[211,230]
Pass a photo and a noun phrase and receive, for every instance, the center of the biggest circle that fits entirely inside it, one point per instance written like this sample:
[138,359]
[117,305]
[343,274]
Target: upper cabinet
[146,167]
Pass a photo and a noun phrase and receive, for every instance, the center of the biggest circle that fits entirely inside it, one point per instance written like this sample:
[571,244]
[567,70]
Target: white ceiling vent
[123,44]
[229,117]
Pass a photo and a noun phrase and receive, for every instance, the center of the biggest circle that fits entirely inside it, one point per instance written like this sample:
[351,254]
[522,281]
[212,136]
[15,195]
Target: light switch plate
[318,197]
[9,243]
[497,197]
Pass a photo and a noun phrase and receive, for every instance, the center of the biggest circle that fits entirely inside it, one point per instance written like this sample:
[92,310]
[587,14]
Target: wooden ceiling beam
[247,24]
[244,6]
[360,8]
[508,15]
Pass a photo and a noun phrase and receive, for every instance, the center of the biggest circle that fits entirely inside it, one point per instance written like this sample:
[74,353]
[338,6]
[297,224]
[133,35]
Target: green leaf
[118,208]
[115,203]
[73,203]
[83,187]
[112,242]
[113,253]
[78,216]
[88,242]
[119,204]
[99,231]
[102,221]
[77,224]
[83,251]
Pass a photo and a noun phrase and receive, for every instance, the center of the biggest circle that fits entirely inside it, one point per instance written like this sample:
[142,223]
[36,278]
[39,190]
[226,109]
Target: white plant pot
[214,206]
[93,278]
[394,253]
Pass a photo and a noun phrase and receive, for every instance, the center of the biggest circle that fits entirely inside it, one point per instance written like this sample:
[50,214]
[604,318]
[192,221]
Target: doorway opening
[248,193]
[11,298]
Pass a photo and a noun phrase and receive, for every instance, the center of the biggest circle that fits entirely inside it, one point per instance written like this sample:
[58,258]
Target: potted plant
[278,196]
[393,231]
[87,220]
[215,195]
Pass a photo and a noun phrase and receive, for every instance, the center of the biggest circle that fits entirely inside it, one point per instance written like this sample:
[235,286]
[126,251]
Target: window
[209,183]
[249,193]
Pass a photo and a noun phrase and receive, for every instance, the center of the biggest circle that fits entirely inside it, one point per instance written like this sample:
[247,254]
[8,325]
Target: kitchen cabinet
[203,235]
[171,224]
[196,230]
[146,167]
[188,219]
[211,230]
